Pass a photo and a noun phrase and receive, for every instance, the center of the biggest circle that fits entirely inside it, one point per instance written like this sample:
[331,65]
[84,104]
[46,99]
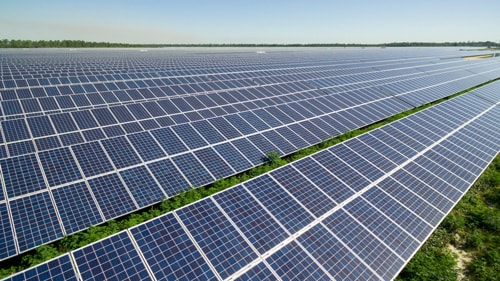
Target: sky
[251,21]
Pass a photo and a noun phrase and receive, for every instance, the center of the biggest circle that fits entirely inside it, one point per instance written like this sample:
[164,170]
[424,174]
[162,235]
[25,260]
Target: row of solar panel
[153,114]
[93,161]
[104,70]
[21,66]
[137,88]
[358,210]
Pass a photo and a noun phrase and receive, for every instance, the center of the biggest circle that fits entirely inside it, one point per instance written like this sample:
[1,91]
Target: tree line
[15,43]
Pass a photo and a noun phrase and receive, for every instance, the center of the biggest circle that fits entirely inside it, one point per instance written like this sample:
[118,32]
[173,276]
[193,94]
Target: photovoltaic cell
[92,158]
[15,130]
[257,225]
[377,255]
[216,236]
[60,268]
[170,179]
[174,256]
[143,187]
[121,152]
[146,146]
[391,234]
[169,141]
[7,243]
[208,131]
[303,190]
[39,211]
[338,260]
[76,207]
[412,201]
[292,263]
[283,207]
[112,196]
[214,163]
[59,166]
[114,258]
[21,175]
[40,126]
[193,169]
[258,273]
[347,174]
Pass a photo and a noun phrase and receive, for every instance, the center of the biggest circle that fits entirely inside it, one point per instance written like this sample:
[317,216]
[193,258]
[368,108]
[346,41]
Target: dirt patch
[478,57]
[462,260]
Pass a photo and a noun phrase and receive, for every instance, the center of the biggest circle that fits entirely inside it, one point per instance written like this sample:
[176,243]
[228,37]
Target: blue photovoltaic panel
[169,141]
[436,199]
[400,214]
[368,248]
[76,207]
[20,148]
[43,224]
[263,144]
[15,130]
[112,196]
[218,239]
[279,141]
[432,180]
[189,135]
[114,258]
[214,163]
[384,147]
[258,273]
[211,134]
[370,155]
[92,158]
[411,200]
[240,124]
[284,208]
[169,252]
[317,202]
[336,258]
[60,268]
[59,166]
[146,146]
[193,169]
[143,187]
[63,122]
[257,225]
[304,133]
[254,120]
[121,152]
[251,152]
[40,126]
[356,161]
[233,157]
[391,234]
[292,263]
[21,175]
[343,171]
[323,179]
[7,244]
[169,177]
[291,87]
[84,119]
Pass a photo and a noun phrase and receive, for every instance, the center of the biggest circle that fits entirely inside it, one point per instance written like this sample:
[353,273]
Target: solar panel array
[355,211]
[88,137]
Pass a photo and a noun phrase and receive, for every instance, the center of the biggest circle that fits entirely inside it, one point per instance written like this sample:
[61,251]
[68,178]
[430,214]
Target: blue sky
[251,21]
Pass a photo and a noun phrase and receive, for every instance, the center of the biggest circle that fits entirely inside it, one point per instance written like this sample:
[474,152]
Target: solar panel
[199,122]
[283,215]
